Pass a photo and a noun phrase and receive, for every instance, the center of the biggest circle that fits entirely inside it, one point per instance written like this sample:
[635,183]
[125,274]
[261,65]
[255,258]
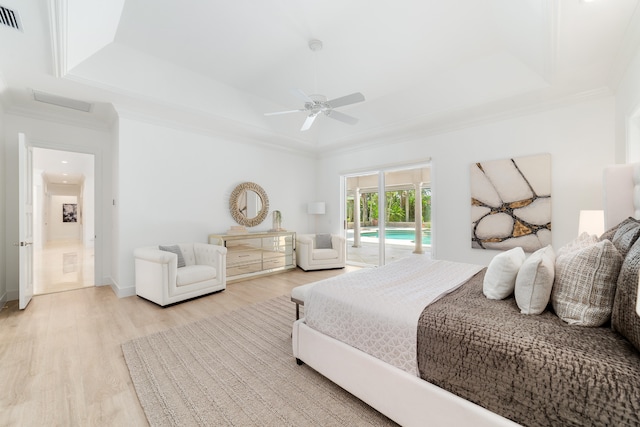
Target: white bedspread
[377,309]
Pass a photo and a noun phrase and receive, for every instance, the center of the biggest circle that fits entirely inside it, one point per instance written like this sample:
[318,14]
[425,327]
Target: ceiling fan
[314,105]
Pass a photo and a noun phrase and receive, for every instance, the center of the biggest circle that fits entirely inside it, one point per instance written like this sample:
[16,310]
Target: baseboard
[3,300]
[13,295]
[123,292]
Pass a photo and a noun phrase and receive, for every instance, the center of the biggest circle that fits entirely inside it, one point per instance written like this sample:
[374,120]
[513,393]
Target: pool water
[400,235]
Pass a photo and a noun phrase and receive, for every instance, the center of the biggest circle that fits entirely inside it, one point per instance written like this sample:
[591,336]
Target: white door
[25,207]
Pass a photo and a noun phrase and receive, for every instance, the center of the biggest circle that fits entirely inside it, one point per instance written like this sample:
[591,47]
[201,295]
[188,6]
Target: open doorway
[387,214]
[64,212]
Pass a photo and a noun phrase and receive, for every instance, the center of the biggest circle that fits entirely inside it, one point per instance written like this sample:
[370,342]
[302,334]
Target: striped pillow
[585,284]
[626,235]
[176,250]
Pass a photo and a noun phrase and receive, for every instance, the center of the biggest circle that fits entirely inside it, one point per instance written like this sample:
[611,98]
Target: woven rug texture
[237,369]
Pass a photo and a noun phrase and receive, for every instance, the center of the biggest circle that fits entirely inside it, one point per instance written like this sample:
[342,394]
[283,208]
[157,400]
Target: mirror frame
[233,204]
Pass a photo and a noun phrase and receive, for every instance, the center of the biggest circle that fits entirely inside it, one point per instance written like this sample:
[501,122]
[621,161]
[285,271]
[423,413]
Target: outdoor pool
[400,235]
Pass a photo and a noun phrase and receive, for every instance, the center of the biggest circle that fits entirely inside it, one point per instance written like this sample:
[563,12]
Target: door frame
[98,198]
[25,221]
[381,171]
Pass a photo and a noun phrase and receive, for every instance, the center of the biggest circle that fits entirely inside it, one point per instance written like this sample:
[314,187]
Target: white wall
[3,270]
[579,137]
[59,136]
[174,186]
[628,113]
[58,230]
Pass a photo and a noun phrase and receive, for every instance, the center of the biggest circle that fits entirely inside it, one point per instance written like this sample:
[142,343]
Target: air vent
[10,18]
[61,101]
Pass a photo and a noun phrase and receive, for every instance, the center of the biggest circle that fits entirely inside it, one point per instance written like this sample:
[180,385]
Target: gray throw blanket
[534,370]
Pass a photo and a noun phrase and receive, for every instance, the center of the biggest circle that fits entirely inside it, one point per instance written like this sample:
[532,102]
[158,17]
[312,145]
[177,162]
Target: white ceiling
[422,65]
[63,167]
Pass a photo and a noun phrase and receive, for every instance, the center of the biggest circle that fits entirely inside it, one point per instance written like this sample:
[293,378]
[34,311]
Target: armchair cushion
[319,254]
[176,250]
[194,274]
[323,241]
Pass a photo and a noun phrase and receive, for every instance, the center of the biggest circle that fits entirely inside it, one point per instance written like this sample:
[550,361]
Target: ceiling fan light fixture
[315,45]
[316,104]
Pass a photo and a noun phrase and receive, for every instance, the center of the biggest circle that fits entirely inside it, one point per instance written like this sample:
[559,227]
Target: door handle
[23,244]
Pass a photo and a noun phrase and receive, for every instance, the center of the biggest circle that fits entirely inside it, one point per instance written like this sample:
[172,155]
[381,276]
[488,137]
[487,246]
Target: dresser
[255,254]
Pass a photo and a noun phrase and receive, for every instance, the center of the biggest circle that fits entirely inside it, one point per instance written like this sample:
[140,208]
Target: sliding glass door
[387,214]
[361,211]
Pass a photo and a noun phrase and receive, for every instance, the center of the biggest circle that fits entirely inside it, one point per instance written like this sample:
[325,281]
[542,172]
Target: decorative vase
[277,221]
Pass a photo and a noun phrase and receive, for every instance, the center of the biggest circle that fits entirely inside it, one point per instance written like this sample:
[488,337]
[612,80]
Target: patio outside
[368,252]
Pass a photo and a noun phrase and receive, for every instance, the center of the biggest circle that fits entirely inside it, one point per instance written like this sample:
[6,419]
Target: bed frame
[407,399]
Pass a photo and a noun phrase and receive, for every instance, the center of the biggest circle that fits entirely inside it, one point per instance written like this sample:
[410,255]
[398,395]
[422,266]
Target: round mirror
[249,204]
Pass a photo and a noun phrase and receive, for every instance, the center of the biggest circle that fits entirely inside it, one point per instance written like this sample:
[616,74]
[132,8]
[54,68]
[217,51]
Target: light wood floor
[61,362]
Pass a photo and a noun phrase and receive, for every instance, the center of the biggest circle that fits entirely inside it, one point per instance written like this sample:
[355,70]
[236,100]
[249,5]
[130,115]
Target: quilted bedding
[377,310]
[534,370]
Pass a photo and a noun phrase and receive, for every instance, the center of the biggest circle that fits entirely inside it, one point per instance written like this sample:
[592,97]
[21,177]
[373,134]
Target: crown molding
[220,128]
[629,48]
[455,120]
[59,118]
[58,30]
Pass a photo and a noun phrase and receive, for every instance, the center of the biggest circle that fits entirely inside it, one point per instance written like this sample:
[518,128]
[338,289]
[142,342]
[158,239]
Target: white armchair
[160,280]
[309,256]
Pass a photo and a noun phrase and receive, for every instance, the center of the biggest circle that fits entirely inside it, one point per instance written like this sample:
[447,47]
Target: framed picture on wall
[69,212]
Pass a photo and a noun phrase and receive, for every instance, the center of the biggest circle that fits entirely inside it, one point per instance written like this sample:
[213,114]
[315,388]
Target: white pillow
[535,281]
[500,277]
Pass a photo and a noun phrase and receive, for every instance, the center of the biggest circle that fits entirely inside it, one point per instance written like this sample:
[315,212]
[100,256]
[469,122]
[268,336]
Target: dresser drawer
[243,244]
[273,263]
[243,269]
[243,257]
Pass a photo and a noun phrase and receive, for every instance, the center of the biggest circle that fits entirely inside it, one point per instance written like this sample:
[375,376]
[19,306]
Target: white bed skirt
[406,399]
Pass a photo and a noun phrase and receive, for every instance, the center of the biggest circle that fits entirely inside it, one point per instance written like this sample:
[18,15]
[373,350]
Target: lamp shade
[591,222]
[315,208]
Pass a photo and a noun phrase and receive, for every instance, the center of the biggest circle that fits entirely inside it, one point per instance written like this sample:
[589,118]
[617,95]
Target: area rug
[237,369]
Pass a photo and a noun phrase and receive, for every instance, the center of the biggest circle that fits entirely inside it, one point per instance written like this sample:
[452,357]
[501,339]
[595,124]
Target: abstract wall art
[511,203]
[69,212]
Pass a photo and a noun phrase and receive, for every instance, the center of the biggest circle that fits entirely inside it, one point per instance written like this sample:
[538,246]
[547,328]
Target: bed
[467,360]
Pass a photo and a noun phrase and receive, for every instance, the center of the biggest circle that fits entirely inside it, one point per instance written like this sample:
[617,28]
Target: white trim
[58,30]
[454,120]
[13,295]
[122,292]
[632,135]
[3,301]
[60,118]
[222,128]
[98,181]
[626,51]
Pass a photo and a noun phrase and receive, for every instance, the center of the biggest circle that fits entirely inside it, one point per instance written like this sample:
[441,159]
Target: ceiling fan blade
[300,94]
[283,112]
[345,118]
[346,100]
[308,122]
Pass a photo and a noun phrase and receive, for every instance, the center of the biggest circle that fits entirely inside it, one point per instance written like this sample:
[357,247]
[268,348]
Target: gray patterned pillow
[176,250]
[582,241]
[624,318]
[323,241]
[585,284]
[626,235]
